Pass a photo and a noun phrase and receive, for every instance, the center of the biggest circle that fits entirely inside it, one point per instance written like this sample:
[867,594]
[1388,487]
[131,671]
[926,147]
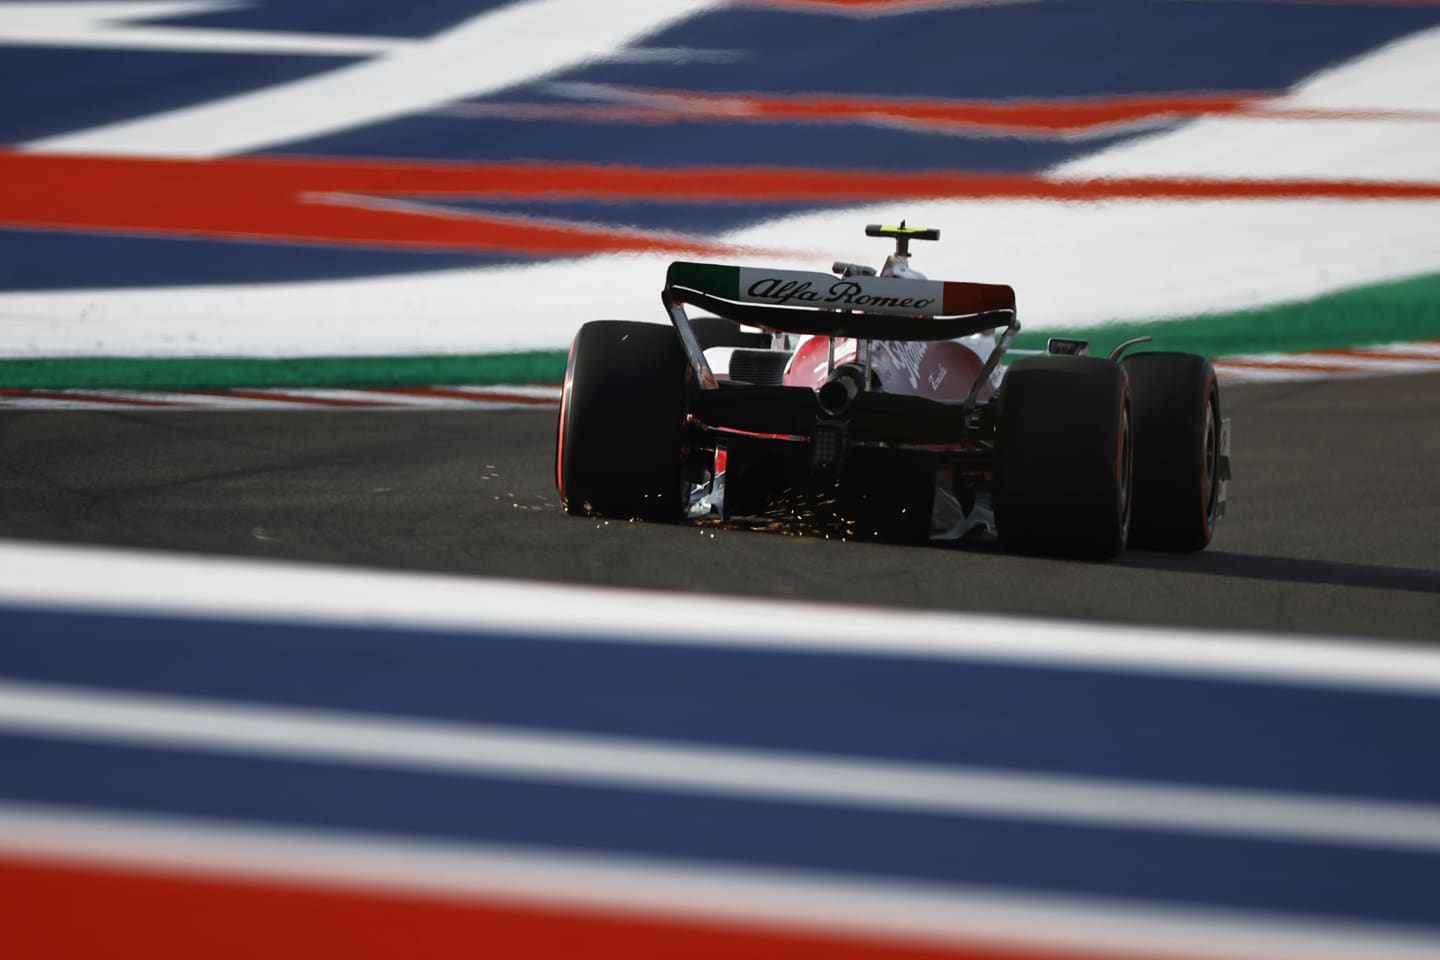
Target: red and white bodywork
[938,369]
[942,370]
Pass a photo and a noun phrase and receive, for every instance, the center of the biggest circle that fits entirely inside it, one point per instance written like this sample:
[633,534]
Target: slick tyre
[622,412]
[1064,454]
[1176,404]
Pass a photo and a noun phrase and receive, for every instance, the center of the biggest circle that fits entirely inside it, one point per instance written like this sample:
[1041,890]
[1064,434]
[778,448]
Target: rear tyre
[1177,450]
[1064,454]
[622,413]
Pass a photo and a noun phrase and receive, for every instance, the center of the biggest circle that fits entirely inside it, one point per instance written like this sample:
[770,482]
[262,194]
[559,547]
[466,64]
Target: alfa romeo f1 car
[880,398]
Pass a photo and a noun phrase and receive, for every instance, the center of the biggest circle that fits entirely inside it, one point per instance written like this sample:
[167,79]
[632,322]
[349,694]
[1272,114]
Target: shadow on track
[1216,563]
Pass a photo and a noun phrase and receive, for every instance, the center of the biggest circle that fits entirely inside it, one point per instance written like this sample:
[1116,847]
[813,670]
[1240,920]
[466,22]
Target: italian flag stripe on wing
[961,298]
[716,280]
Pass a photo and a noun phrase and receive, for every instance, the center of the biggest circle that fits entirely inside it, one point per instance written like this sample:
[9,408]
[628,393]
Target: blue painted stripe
[380,18]
[701,218]
[1286,877]
[38,260]
[1054,49]
[1011,716]
[826,146]
[65,90]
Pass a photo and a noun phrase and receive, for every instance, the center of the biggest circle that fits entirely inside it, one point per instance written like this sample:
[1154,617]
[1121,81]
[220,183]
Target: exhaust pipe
[840,391]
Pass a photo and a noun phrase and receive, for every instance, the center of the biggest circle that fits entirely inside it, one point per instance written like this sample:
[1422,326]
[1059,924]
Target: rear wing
[863,307]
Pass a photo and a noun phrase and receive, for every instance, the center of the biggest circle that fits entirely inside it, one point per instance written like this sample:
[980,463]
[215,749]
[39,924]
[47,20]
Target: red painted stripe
[1066,117]
[1235,364]
[1034,116]
[265,198]
[64,910]
[285,198]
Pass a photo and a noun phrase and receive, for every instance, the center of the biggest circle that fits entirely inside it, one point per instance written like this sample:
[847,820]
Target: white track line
[76,578]
[473,749]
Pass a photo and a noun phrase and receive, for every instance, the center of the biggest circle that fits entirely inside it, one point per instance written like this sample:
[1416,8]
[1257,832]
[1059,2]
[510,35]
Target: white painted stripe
[1266,148]
[1299,371]
[91,405]
[1242,375]
[1385,360]
[66,577]
[178,398]
[1239,375]
[473,749]
[50,403]
[104,26]
[490,51]
[645,888]
[540,391]
[1401,75]
[1350,362]
[112,25]
[1428,348]
[1398,76]
[272,43]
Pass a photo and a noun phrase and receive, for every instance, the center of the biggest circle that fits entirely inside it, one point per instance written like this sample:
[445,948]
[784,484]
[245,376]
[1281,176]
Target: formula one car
[879,401]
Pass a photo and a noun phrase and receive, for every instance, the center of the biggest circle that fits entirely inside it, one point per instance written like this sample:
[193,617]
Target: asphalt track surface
[1334,526]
